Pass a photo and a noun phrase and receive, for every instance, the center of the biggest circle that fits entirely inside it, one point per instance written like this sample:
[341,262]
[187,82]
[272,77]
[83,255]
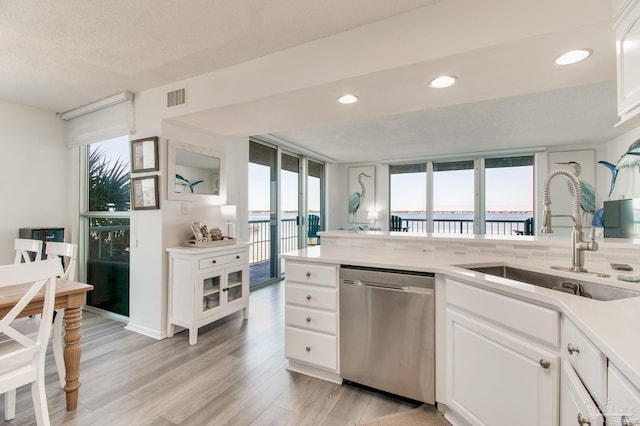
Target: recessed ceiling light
[573,56]
[442,82]
[348,99]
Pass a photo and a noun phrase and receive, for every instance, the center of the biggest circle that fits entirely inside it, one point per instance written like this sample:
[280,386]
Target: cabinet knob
[308,274]
[238,257]
[582,420]
[572,349]
[308,319]
[308,348]
[308,297]
[545,364]
[225,289]
[213,261]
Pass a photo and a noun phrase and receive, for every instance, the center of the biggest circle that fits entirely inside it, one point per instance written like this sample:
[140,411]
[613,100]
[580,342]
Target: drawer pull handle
[545,364]
[572,349]
[308,274]
[308,319]
[308,297]
[582,420]
[308,348]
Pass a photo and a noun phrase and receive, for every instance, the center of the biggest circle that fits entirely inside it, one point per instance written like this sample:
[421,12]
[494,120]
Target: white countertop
[613,326]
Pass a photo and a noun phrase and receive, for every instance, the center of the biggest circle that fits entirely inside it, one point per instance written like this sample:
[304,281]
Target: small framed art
[144,193]
[144,155]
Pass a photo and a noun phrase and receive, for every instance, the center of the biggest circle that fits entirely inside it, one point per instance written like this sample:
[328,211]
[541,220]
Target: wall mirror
[195,173]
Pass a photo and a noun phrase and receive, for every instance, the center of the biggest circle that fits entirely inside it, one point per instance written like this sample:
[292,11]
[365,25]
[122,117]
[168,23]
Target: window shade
[104,123]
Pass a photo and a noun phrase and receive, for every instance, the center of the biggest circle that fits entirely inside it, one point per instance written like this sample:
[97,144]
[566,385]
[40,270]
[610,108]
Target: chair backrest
[395,223]
[313,224]
[25,248]
[68,253]
[33,277]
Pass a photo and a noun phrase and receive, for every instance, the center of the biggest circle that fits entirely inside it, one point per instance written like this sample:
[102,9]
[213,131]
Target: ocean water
[508,216]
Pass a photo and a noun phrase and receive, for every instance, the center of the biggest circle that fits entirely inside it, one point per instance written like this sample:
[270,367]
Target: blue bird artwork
[182,181]
[587,193]
[628,159]
[356,198]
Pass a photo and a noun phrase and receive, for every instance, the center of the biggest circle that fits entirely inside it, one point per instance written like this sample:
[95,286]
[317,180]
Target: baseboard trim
[155,334]
[318,373]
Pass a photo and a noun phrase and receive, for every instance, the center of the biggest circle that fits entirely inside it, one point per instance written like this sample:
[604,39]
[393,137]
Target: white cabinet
[627,29]
[206,284]
[577,407]
[623,404]
[311,316]
[498,371]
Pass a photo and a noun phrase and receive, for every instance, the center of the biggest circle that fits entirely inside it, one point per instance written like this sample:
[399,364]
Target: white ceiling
[61,55]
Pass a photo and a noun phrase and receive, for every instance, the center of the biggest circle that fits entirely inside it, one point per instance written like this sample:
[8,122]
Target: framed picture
[144,193]
[144,155]
[362,193]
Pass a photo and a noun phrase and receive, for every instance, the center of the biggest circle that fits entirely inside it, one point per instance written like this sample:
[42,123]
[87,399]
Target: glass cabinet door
[211,285]
[235,278]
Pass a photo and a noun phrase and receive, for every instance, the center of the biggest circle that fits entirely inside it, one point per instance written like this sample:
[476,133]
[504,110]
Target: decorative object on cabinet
[206,284]
[229,215]
[362,192]
[144,193]
[198,172]
[144,155]
[202,237]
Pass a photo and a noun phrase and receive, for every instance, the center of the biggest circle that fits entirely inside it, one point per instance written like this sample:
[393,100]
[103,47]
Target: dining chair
[67,254]
[22,356]
[27,250]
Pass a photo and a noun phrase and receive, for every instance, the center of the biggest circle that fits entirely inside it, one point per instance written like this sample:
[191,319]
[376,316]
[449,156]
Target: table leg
[72,351]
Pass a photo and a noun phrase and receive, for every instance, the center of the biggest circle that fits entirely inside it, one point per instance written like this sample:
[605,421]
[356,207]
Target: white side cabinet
[311,316]
[206,284]
[627,29]
[502,366]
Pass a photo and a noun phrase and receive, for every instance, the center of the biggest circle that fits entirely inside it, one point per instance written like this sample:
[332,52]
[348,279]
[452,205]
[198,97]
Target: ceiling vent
[177,98]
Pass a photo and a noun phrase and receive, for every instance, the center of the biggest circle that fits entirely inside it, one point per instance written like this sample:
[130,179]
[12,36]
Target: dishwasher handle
[384,286]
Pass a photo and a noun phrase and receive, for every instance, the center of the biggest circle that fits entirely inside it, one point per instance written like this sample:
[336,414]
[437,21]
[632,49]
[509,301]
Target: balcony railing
[260,232]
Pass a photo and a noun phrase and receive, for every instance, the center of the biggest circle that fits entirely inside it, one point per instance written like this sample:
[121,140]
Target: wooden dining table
[70,296]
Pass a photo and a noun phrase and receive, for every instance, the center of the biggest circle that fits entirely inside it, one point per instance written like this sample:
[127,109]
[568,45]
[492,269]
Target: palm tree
[109,190]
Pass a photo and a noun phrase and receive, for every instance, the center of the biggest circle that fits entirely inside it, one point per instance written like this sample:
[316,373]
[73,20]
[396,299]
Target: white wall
[152,231]
[35,167]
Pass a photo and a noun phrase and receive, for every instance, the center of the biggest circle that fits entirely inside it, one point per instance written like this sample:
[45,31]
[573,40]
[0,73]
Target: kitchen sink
[553,282]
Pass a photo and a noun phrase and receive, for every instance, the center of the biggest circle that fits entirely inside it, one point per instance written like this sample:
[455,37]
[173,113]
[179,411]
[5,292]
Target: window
[447,197]
[453,197]
[408,196]
[106,224]
[509,195]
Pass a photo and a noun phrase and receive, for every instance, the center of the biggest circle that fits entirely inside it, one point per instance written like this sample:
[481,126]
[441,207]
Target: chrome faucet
[578,245]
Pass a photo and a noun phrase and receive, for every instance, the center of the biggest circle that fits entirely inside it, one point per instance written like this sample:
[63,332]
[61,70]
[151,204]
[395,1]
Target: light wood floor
[235,375]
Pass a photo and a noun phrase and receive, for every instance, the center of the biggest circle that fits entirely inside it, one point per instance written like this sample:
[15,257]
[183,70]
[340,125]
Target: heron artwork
[587,193]
[191,185]
[628,159]
[356,198]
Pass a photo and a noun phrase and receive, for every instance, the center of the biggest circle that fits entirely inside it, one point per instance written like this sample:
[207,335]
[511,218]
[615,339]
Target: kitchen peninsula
[541,326]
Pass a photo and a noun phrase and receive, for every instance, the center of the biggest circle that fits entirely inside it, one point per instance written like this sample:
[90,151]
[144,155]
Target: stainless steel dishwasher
[387,330]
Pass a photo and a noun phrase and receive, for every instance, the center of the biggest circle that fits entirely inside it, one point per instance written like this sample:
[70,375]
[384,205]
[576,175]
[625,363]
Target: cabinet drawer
[312,348]
[531,320]
[624,398]
[312,274]
[575,401]
[223,259]
[586,359]
[312,319]
[312,296]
